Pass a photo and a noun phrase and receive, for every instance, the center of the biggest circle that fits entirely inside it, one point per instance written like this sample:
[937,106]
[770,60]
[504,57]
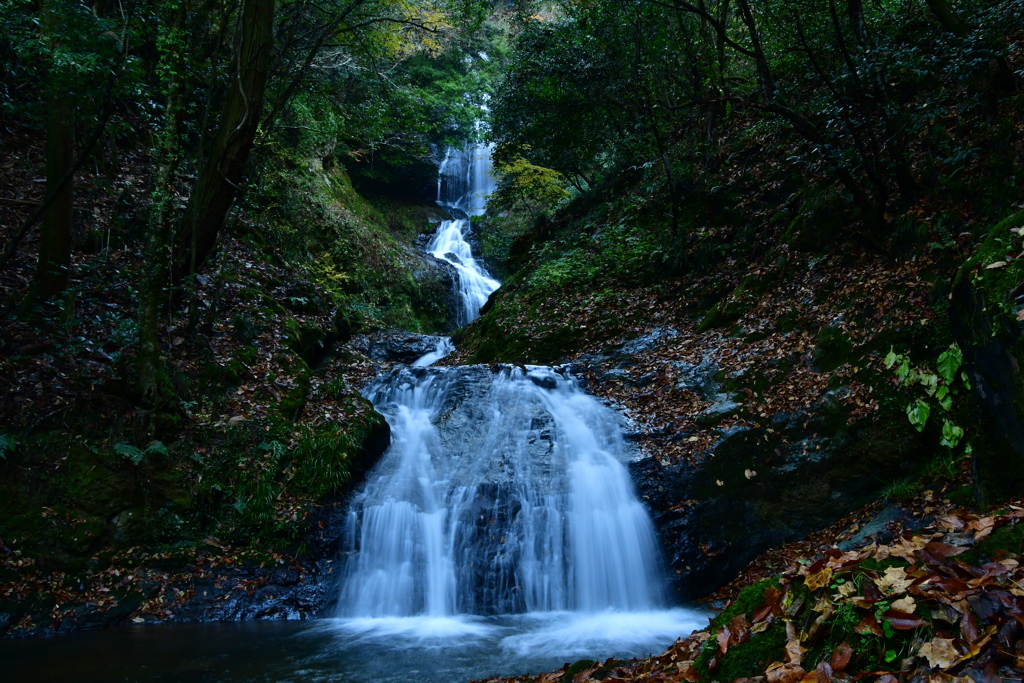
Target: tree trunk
[219,183]
[54,267]
[947,16]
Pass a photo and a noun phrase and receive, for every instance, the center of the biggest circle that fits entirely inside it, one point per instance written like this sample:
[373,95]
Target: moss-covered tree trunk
[219,183]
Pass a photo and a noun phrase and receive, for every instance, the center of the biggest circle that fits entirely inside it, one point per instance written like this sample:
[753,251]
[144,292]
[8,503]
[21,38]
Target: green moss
[752,657]
[1005,539]
[723,314]
[743,658]
[834,348]
[581,665]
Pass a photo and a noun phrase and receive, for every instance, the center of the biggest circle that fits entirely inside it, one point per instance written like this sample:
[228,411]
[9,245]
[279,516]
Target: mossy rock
[723,314]
[984,314]
[310,343]
[1005,539]
[749,658]
[834,348]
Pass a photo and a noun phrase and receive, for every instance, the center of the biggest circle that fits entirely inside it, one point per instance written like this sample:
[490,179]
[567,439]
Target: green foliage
[321,455]
[136,455]
[7,445]
[940,388]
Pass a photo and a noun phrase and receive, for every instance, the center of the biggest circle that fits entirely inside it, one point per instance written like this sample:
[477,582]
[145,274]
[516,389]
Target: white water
[502,518]
[464,180]
[503,493]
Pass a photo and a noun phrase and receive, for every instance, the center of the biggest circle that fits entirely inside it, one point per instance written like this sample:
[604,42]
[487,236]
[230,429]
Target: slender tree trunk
[219,183]
[53,270]
[153,385]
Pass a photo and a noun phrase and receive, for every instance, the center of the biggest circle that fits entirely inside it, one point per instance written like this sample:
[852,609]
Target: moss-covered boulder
[987,317]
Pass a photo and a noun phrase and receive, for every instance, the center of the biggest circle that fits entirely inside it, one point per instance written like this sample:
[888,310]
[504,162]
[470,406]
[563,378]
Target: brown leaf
[687,672]
[982,527]
[723,638]
[905,604]
[784,673]
[823,673]
[969,626]
[868,625]
[819,579]
[886,678]
[894,582]
[939,652]
[901,621]
[841,656]
[795,651]
[944,550]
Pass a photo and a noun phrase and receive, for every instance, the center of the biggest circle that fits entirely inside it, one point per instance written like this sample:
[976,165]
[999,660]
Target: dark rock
[878,525]
[394,346]
[754,489]
[438,281]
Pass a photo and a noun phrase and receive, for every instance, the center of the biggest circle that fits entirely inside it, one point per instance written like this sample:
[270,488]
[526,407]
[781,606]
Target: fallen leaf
[841,657]
[905,604]
[784,673]
[894,582]
[819,579]
[996,264]
[939,652]
[795,652]
[901,621]
[868,625]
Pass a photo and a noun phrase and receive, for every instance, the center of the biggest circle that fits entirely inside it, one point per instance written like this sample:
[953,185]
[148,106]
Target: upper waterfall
[463,182]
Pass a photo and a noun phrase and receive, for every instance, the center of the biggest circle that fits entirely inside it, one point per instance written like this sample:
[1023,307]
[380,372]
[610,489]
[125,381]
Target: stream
[499,534]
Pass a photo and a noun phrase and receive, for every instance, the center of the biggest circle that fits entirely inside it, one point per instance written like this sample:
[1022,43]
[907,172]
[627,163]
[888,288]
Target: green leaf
[157,447]
[7,445]
[903,370]
[918,413]
[890,359]
[951,434]
[946,402]
[130,452]
[929,381]
[949,362]
[963,378]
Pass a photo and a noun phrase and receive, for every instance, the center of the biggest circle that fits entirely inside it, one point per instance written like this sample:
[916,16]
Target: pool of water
[388,650]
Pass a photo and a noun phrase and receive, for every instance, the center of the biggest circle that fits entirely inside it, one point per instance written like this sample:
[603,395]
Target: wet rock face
[394,346]
[439,280]
[758,486]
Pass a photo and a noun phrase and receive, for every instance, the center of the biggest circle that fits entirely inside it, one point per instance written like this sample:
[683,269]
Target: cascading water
[464,180]
[502,514]
[502,493]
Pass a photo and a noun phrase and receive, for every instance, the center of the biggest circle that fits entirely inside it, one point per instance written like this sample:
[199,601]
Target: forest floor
[936,595]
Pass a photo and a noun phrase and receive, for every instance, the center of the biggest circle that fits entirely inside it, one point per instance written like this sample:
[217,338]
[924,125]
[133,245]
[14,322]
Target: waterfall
[502,492]
[502,514]
[463,182]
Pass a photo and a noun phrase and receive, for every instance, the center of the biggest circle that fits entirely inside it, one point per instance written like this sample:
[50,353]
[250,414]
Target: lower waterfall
[503,503]
[502,493]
